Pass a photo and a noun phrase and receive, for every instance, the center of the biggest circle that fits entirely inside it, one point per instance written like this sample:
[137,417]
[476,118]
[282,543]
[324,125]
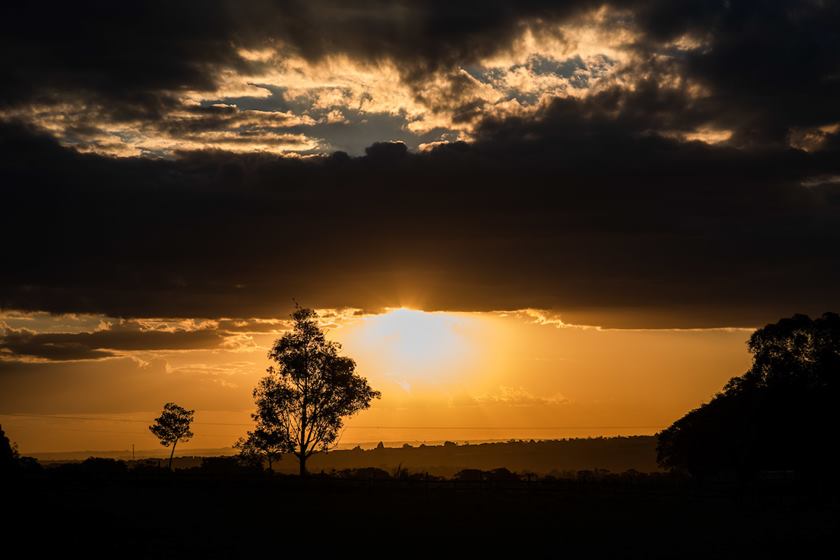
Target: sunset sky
[521,218]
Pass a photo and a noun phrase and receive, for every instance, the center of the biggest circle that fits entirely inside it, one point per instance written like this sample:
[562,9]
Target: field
[151,513]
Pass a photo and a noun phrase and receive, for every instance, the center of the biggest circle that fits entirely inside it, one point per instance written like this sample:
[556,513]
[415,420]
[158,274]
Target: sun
[412,344]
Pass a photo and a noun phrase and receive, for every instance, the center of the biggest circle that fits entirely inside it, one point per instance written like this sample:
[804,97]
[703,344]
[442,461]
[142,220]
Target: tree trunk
[172,454]
[302,460]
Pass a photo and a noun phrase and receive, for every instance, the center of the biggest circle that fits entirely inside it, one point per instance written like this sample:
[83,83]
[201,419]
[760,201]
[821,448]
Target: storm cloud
[102,343]
[531,215]
[685,176]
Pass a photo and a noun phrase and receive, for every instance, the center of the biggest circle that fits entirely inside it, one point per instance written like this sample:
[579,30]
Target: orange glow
[443,375]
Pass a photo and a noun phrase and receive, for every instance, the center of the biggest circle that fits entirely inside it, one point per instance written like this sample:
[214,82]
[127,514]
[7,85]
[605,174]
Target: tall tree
[172,426]
[309,390]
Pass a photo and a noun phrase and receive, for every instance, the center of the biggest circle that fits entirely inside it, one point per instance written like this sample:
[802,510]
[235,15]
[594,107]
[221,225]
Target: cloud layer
[630,163]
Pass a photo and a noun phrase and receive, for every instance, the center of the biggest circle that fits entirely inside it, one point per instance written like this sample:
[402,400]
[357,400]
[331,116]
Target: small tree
[173,426]
[305,396]
[262,444]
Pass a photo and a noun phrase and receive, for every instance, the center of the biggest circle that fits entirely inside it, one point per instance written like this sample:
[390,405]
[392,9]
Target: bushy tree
[310,389]
[263,444]
[777,416]
[172,426]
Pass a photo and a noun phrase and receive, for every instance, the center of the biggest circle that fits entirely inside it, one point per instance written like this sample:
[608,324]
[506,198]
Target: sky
[576,211]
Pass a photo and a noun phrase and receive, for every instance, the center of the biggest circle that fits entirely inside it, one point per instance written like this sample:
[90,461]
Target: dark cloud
[578,210]
[768,66]
[765,68]
[150,46]
[124,336]
[596,206]
[140,54]
[135,54]
[24,343]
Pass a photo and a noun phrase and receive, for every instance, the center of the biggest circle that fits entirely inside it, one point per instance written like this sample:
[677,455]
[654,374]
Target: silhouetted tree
[777,416]
[12,461]
[172,426]
[8,453]
[311,388]
[262,444]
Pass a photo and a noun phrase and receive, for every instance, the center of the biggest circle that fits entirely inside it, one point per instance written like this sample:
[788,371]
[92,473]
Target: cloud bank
[629,163]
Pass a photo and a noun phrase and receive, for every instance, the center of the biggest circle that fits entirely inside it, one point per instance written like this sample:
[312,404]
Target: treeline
[101,469]
[230,471]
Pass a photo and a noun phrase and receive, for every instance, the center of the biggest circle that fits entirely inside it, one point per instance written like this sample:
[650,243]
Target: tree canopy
[172,426]
[776,416]
[305,396]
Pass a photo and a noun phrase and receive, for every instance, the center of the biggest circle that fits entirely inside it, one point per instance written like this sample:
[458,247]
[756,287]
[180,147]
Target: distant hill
[615,454]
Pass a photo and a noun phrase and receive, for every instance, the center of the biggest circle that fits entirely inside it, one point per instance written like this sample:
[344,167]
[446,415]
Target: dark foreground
[179,515]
